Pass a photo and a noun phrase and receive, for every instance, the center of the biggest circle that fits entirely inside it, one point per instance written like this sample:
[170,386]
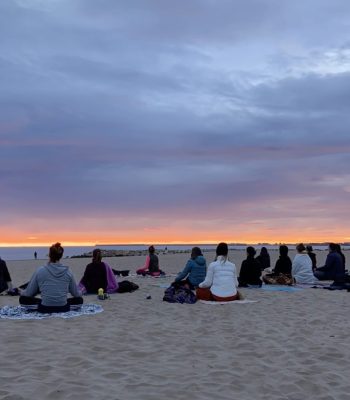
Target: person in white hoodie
[221,282]
[302,267]
[53,281]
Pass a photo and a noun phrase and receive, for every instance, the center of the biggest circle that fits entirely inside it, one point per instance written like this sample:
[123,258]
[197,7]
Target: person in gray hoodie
[53,281]
[194,271]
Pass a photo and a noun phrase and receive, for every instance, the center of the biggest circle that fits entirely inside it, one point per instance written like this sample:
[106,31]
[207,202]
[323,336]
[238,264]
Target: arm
[185,272]
[33,287]
[146,265]
[328,265]
[73,288]
[208,281]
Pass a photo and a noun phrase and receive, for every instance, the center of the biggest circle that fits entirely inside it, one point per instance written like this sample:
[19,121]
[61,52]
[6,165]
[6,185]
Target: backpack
[179,295]
[127,286]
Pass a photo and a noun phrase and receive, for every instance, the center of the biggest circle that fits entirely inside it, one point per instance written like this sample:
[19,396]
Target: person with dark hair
[264,258]
[341,255]
[5,278]
[282,273]
[53,281]
[312,255]
[334,268]
[302,266]
[250,272]
[284,263]
[98,275]
[151,266]
[221,282]
[195,270]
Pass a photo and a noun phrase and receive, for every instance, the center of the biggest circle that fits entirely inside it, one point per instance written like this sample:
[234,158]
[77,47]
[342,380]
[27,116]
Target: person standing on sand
[53,281]
[221,282]
[302,267]
[35,255]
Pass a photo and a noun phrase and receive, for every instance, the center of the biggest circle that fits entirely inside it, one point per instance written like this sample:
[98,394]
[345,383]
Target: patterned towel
[19,312]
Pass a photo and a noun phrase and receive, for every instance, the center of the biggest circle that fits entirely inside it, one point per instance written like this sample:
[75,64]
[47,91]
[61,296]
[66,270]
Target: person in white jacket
[302,267]
[221,282]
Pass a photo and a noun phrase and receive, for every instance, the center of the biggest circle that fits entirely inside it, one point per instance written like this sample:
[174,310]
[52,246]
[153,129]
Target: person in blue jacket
[195,270]
[334,268]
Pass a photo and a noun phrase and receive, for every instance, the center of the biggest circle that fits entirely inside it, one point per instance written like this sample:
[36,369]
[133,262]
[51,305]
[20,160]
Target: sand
[286,346]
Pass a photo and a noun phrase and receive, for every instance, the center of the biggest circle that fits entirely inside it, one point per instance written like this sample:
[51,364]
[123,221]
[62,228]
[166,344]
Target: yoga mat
[19,312]
[214,303]
[280,288]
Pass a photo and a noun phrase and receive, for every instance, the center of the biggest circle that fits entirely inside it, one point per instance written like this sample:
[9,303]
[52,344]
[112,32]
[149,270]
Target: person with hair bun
[53,281]
[302,266]
[221,282]
[250,272]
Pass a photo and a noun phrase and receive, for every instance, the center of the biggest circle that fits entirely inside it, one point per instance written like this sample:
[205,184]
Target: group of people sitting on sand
[218,282]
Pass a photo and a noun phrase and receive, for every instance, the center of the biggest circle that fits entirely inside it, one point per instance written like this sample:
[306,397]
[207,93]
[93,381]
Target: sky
[157,121]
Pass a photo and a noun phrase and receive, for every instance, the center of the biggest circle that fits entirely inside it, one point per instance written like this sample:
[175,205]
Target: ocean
[27,253]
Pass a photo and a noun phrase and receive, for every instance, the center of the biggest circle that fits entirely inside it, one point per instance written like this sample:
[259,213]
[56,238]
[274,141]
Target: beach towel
[19,312]
[214,303]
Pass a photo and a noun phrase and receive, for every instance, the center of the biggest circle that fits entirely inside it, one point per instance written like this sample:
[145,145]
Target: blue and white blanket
[19,312]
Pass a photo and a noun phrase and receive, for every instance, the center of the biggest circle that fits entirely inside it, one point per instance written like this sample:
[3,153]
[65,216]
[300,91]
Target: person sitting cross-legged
[53,281]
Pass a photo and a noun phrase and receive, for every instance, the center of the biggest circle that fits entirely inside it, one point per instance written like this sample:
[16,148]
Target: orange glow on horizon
[175,239]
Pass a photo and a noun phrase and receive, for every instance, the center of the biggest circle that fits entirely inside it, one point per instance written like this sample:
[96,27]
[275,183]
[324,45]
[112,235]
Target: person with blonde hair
[53,281]
[221,282]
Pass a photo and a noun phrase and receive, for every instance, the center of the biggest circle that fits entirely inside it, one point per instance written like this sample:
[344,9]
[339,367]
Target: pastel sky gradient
[174,121]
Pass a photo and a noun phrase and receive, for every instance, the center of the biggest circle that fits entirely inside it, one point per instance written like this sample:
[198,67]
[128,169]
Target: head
[151,249]
[300,248]
[332,247]
[56,252]
[196,251]
[283,250]
[97,255]
[251,251]
[222,249]
[263,251]
[309,248]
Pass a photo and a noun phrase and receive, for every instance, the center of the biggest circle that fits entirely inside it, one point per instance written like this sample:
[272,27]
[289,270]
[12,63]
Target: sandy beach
[289,346]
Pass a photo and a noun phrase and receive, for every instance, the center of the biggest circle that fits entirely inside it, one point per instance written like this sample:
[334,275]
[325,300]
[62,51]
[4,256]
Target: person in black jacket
[282,274]
[250,272]
[264,258]
[284,263]
[334,267]
[312,255]
[5,278]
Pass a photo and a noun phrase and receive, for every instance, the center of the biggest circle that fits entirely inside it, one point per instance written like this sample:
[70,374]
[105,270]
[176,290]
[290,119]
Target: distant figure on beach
[195,270]
[250,272]
[35,255]
[97,275]
[302,266]
[151,266]
[166,250]
[312,255]
[264,258]
[282,273]
[5,278]
[221,282]
[334,269]
[53,281]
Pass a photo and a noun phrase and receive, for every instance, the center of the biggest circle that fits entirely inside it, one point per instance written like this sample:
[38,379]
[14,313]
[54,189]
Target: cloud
[142,112]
